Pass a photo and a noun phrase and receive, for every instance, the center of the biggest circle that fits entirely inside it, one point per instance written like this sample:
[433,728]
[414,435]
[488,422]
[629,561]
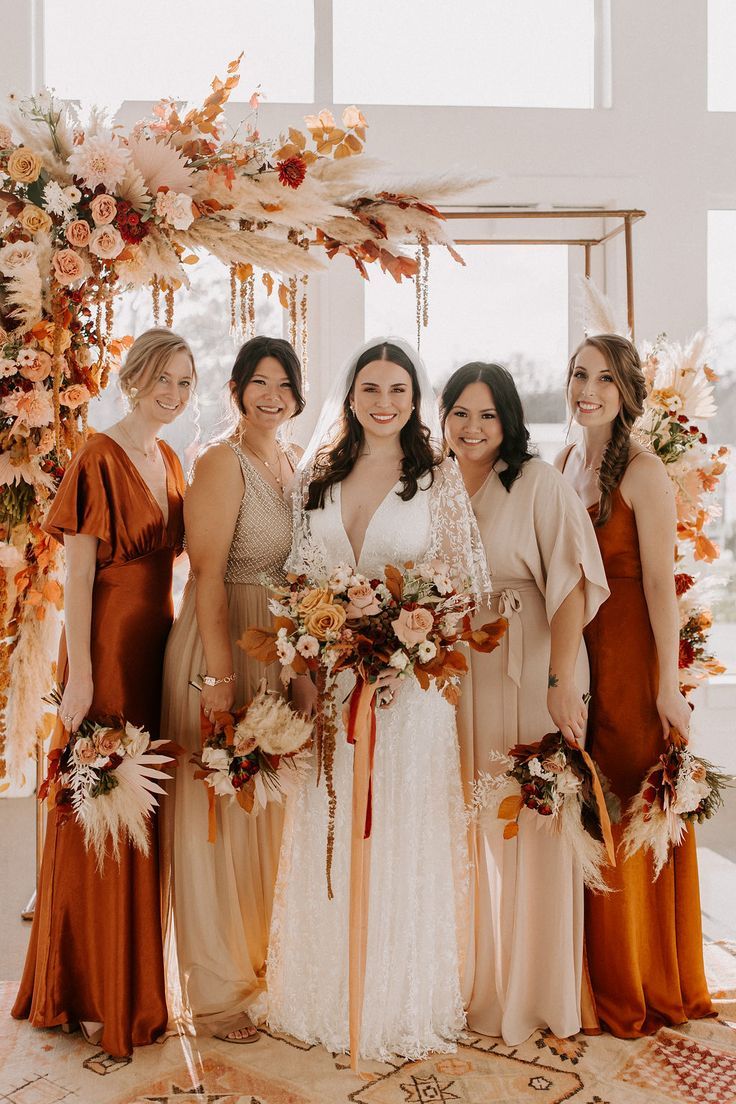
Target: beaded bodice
[262,537]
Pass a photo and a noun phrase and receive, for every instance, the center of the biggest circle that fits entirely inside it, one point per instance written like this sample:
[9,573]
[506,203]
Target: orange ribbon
[602,810]
[361,732]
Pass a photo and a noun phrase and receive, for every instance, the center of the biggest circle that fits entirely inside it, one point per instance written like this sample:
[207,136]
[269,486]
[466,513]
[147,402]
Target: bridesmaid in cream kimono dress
[524,967]
[218,897]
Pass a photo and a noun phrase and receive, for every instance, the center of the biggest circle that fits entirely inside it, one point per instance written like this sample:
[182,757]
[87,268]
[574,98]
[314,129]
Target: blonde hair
[624,365]
[147,358]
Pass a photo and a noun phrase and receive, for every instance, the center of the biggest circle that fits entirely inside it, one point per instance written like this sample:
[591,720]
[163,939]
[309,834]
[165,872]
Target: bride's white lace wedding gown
[418,868]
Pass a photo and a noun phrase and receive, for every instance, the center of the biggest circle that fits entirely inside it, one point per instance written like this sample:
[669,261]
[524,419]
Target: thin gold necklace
[275,472]
[138,448]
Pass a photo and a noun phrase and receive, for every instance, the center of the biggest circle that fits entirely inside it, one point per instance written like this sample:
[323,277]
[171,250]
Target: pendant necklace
[275,470]
[138,448]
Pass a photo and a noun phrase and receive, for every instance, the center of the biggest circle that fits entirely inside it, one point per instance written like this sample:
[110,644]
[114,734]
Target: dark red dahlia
[683,583]
[292,171]
[687,654]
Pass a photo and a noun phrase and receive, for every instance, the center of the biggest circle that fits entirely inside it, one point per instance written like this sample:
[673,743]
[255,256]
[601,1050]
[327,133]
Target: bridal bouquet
[560,781]
[107,776]
[243,751]
[679,788]
[408,625]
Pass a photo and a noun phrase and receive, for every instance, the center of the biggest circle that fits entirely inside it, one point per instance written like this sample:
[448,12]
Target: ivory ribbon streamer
[362,734]
[602,810]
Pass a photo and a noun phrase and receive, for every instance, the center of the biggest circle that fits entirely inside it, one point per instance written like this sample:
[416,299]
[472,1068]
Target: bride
[373,491]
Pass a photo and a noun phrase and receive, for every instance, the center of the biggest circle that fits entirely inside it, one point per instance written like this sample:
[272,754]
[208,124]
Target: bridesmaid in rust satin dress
[95,955]
[643,940]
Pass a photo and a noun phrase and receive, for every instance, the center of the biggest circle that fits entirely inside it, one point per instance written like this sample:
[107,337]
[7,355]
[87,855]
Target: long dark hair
[250,356]
[623,360]
[514,448]
[335,461]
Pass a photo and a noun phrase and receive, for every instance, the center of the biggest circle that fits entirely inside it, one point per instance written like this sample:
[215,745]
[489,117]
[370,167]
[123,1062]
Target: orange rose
[33,220]
[412,626]
[314,598]
[68,266]
[39,370]
[78,233]
[46,340]
[24,166]
[103,208]
[324,619]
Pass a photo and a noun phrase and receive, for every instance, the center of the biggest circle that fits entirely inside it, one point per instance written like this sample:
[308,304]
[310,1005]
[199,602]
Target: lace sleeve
[455,537]
[307,555]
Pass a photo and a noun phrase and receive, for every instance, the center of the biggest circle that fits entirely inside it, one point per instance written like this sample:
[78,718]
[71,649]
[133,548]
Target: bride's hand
[387,686]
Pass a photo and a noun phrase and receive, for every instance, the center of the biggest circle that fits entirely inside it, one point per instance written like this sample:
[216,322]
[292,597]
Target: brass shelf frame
[625,220]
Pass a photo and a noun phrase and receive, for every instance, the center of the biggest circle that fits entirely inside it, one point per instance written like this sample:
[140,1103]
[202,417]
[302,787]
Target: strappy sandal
[227,1037]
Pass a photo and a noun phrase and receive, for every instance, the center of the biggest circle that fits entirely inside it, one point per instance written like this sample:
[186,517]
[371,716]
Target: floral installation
[679,788]
[245,753]
[680,398]
[88,210]
[559,781]
[408,625]
[107,776]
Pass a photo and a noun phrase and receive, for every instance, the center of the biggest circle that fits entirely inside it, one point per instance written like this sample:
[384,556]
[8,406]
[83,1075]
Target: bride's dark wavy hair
[514,448]
[336,460]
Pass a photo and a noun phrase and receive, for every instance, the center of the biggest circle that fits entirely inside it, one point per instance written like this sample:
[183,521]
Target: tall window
[177,48]
[489,53]
[508,304]
[721,48]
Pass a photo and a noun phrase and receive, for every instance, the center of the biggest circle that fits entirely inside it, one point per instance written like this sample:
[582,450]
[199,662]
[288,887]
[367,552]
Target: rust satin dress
[96,949]
[643,940]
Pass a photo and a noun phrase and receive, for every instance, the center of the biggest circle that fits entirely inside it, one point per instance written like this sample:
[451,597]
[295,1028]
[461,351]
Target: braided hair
[625,367]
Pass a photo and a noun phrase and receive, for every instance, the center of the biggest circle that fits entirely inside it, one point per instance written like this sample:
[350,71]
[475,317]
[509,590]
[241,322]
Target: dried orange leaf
[259,643]
[510,807]
[511,830]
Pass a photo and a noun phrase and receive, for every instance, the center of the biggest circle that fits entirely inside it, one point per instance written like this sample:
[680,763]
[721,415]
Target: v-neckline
[372,518]
[141,480]
[277,494]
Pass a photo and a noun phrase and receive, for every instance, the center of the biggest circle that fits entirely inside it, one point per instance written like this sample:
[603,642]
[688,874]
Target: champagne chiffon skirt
[217,897]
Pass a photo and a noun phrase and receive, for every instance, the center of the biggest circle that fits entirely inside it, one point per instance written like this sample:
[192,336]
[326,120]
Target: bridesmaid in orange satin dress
[644,940]
[95,955]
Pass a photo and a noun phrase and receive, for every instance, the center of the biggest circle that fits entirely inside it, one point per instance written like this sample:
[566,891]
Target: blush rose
[412,626]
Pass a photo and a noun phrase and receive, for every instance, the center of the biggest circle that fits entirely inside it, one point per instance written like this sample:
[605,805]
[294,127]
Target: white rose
[106,243]
[216,759]
[399,660]
[135,740]
[15,257]
[426,651]
[176,209]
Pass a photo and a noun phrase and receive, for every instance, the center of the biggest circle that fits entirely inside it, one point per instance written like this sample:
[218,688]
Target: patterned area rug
[695,1064]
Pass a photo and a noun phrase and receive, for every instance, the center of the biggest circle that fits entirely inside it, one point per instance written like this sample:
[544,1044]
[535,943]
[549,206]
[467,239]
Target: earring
[133,392]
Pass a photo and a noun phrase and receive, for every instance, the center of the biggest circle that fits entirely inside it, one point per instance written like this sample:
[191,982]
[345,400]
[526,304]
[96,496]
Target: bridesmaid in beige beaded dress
[218,897]
[524,968]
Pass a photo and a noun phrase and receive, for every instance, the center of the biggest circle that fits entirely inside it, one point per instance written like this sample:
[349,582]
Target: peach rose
[85,750]
[103,208]
[46,340]
[16,256]
[314,598]
[68,266]
[412,626]
[34,220]
[78,233]
[107,741]
[106,243]
[324,619]
[74,396]
[363,601]
[24,166]
[40,367]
